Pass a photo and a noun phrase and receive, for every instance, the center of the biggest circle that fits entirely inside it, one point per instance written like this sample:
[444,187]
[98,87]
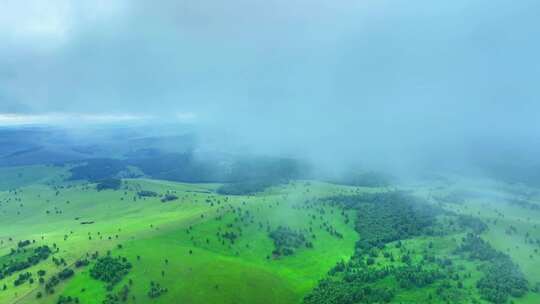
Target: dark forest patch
[23,258]
[387,217]
[502,278]
[95,170]
[287,241]
[146,193]
[241,176]
[109,184]
[382,218]
[247,188]
[110,270]
[364,179]
[168,198]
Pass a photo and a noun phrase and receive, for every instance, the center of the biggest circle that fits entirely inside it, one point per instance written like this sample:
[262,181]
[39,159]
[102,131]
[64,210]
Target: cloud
[89,118]
[44,24]
[68,119]
[329,79]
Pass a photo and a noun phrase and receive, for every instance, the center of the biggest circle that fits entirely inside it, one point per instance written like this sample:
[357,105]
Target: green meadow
[196,271]
[179,245]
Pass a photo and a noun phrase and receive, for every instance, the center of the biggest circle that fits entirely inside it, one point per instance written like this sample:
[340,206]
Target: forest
[386,220]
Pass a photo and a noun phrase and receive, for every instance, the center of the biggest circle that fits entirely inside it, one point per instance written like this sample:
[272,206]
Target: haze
[319,151]
[393,83]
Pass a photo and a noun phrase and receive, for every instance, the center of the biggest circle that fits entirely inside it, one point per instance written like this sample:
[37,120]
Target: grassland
[179,244]
[156,232]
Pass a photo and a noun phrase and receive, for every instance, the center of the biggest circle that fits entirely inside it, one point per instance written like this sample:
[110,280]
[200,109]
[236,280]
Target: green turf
[156,231]
[200,268]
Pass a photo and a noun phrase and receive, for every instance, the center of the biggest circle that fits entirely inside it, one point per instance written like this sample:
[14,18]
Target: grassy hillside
[198,246]
[177,237]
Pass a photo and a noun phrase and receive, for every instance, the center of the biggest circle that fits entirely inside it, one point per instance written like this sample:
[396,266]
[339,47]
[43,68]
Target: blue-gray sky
[281,74]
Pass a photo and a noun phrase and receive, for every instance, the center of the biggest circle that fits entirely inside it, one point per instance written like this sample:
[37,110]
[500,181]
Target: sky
[318,77]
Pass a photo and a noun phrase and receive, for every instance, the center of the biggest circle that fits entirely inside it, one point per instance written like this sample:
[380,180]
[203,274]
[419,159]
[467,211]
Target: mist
[397,85]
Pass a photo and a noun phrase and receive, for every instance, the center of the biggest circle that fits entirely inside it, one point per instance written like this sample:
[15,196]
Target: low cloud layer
[395,81]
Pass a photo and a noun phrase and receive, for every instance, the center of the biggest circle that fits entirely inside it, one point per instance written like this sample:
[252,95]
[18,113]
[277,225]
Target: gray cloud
[329,79]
